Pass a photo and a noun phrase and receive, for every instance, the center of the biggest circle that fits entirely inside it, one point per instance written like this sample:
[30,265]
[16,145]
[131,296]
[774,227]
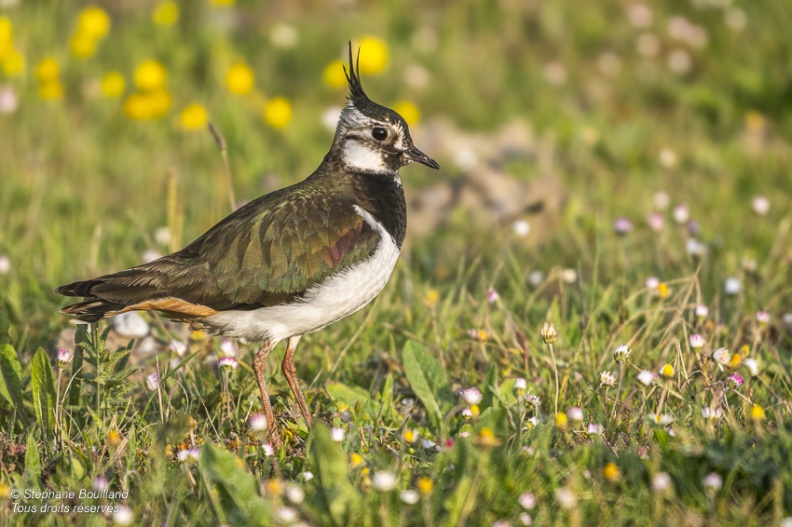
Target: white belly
[337,297]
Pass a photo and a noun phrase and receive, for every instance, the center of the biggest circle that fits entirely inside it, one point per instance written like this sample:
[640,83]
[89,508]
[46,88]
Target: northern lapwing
[288,263]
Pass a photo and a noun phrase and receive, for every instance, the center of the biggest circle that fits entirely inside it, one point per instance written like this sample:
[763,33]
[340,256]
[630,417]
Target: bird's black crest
[356,93]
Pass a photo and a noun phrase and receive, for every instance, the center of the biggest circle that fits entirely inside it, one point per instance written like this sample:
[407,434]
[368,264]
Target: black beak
[413,155]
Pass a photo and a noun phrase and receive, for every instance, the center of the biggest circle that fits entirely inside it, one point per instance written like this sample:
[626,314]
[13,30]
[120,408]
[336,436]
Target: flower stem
[618,391]
[555,372]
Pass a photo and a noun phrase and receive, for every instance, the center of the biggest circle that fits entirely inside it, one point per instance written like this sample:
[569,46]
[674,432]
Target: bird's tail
[92,309]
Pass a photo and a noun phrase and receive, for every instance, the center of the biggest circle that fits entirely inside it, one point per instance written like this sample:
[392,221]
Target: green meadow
[590,323]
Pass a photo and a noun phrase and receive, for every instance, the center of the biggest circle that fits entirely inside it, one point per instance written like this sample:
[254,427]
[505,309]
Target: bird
[290,262]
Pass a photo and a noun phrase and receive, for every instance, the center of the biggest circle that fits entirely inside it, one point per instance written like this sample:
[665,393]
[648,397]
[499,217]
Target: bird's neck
[382,196]
[378,192]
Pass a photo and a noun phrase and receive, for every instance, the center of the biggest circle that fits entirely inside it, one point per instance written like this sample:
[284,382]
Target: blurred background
[612,138]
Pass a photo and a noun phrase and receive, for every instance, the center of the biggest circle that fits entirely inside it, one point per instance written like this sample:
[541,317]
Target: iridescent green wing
[270,251]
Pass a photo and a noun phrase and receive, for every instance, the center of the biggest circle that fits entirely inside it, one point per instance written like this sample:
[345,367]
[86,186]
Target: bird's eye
[379,133]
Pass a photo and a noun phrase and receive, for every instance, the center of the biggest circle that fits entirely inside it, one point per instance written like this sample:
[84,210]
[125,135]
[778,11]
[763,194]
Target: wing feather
[268,252]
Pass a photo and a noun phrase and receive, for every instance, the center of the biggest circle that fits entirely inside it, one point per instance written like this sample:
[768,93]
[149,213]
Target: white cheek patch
[399,144]
[358,155]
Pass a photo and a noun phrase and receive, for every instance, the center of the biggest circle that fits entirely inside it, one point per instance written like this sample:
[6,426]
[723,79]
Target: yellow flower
[194,117]
[5,491]
[224,3]
[150,75]
[333,74]
[6,29]
[486,437]
[357,460]
[166,13]
[425,485]
[410,435]
[409,111]
[373,55]
[83,45]
[145,106]
[274,486]
[735,360]
[51,90]
[240,79]
[14,63]
[611,472]
[94,22]
[561,420]
[432,297]
[278,112]
[667,371]
[757,413]
[47,70]
[137,107]
[6,37]
[113,437]
[662,290]
[113,84]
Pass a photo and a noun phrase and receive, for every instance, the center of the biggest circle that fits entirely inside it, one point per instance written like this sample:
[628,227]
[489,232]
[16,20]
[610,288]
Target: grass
[84,188]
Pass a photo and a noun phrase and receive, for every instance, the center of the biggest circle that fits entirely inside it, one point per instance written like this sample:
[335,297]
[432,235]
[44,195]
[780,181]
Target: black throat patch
[383,197]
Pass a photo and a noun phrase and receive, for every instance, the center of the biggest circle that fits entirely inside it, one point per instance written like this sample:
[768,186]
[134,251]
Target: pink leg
[260,368]
[291,377]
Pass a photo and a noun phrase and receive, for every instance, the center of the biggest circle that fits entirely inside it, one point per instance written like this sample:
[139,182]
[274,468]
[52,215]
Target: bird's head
[371,137]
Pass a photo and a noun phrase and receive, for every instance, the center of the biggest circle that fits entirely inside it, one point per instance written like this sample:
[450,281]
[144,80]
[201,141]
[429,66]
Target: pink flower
[656,222]
[702,311]
[228,363]
[681,214]
[594,428]
[9,101]
[471,396]
[527,500]
[696,341]
[622,226]
[736,380]
[257,422]
[575,413]
[763,318]
[65,357]
[152,381]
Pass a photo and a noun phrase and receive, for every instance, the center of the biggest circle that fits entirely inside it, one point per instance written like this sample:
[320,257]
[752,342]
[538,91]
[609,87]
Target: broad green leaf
[32,461]
[428,381]
[10,371]
[335,495]
[239,501]
[43,385]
